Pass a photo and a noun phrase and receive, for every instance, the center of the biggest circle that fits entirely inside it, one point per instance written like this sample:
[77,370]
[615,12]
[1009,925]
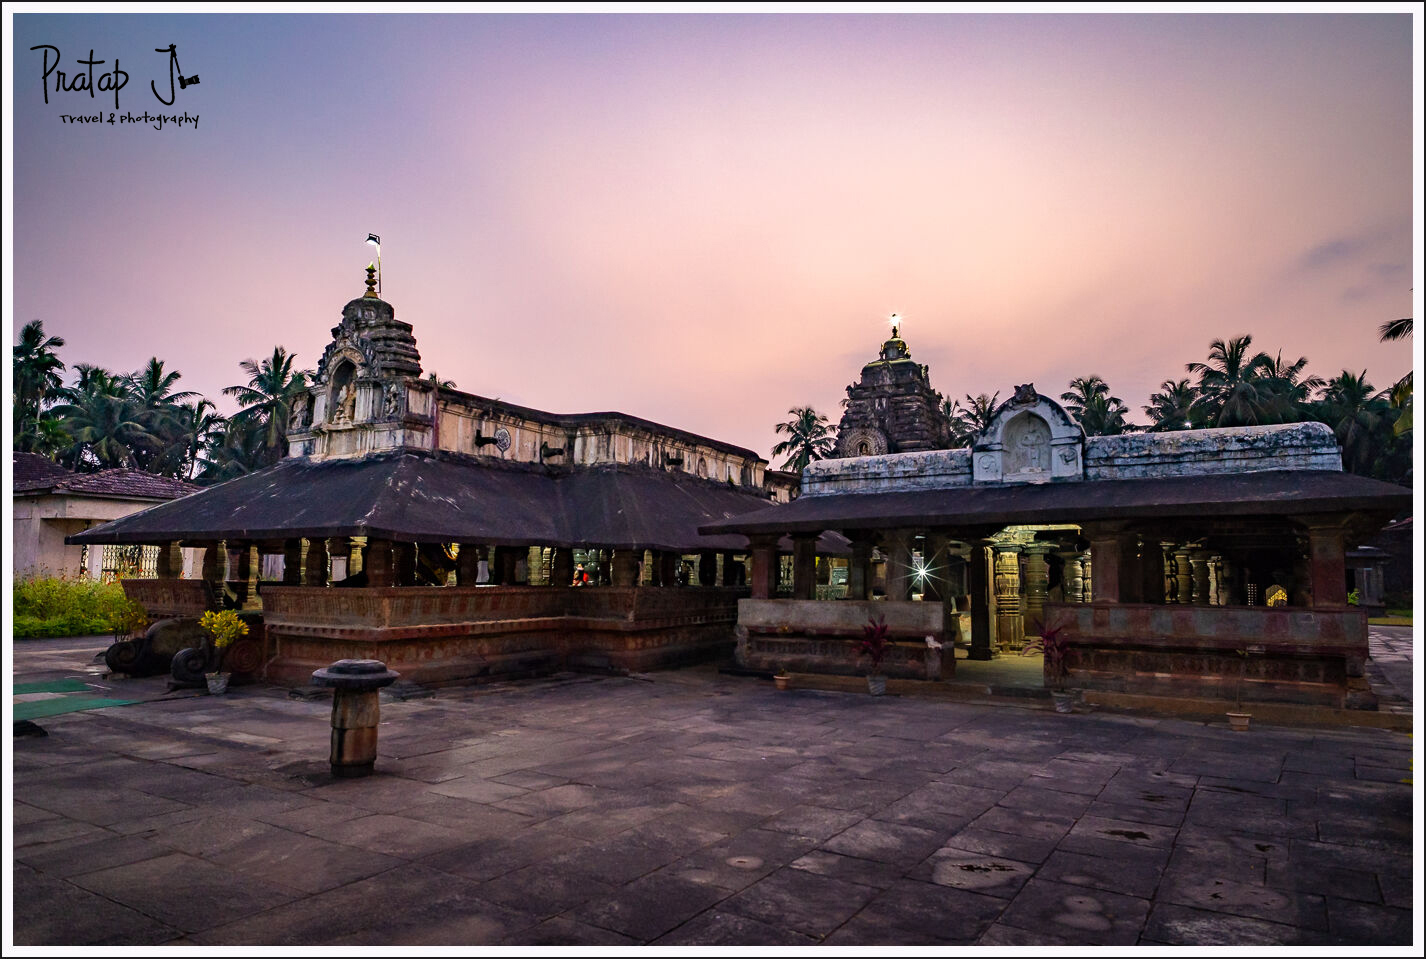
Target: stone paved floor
[1389,670]
[694,808]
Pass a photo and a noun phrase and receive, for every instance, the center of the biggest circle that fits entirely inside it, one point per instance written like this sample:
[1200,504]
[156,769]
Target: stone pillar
[897,546]
[467,564]
[1074,577]
[1198,565]
[1009,625]
[355,551]
[707,568]
[380,571]
[668,567]
[404,560]
[764,556]
[1151,573]
[1183,576]
[626,567]
[215,561]
[356,712]
[314,564]
[859,568]
[1169,573]
[1327,562]
[804,565]
[1227,582]
[292,562]
[1106,547]
[1037,582]
[1088,567]
[935,587]
[562,569]
[979,574]
[729,569]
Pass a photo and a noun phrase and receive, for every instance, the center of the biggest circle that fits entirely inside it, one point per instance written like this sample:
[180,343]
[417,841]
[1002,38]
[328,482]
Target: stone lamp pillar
[356,712]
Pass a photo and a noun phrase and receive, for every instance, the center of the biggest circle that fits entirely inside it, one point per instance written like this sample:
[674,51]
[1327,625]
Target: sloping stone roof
[1266,493]
[36,474]
[443,498]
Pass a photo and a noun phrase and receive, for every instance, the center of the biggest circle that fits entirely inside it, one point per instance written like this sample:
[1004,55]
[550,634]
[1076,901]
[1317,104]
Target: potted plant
[874,644]
[222,629]
[782,677]
[1055,647]
[1238,719]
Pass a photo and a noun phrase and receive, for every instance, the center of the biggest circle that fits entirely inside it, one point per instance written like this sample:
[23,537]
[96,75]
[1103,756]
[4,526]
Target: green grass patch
[1390,620]
[59,606]
[68,704]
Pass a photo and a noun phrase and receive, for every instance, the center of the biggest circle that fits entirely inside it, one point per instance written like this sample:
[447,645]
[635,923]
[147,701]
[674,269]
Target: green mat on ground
[67,685]
[68,704]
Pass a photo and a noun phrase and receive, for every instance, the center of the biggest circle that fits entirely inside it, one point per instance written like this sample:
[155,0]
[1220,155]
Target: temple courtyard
[696,807]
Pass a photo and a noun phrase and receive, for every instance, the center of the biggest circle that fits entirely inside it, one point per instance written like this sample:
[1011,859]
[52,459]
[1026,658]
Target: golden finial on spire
[370,280]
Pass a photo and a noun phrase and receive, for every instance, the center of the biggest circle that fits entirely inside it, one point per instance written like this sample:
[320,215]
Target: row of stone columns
[387,563]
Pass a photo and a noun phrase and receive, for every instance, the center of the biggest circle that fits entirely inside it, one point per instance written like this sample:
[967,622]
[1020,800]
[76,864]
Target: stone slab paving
[691,808]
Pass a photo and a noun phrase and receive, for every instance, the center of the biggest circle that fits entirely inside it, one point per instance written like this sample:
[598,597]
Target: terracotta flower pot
[782,680]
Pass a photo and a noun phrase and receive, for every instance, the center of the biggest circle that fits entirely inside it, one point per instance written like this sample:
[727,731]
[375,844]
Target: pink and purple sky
[704,220]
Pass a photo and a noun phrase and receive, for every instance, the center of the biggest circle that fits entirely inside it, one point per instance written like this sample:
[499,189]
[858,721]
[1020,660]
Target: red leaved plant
[875,642]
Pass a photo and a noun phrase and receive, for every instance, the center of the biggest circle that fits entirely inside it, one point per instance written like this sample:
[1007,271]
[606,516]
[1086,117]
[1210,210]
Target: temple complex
[462,529]
[1202,564]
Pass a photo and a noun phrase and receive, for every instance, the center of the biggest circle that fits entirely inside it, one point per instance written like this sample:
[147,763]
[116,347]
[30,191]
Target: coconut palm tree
[1396,329]
[202,425]
[233,451]
[267,400]
[1289,392]
[971,418]
[1173,407]
[809,438]
[1232,391]
[434,377]
[1100,414]
[37,380]
[1358,415]
[1401,393]
[105,421]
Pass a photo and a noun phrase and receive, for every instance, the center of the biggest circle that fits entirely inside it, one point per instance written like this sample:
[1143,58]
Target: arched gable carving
[1030,439]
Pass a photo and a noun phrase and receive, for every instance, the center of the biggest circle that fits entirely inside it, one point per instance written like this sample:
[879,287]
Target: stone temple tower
[893,408]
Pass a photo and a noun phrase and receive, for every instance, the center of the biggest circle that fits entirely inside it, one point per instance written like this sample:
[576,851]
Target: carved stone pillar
[1170,574]
[1198,565]
[467,564]
[730,569]
[1037,582]
[251,574]
[292,562]
[1327,562]
[1227,582]
[404,561]
[355,551]
[314,564]
[1009,624]
[380,570]
[707,568]
[668,568]
[804,565]
[562,570]
[764,551]
[626,567]
[897,546]
[1074,577]
[859,568]
[215,561]
[978,570]
[1087,591]
[1107,548]
[1183,576]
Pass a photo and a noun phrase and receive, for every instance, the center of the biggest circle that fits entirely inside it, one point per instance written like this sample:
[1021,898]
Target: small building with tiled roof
[51,502]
